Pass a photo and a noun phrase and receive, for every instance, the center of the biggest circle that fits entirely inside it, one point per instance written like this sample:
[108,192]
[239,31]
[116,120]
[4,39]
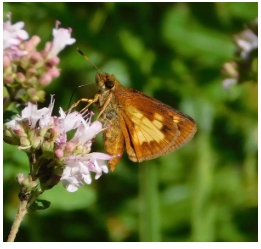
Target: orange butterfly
[145,126]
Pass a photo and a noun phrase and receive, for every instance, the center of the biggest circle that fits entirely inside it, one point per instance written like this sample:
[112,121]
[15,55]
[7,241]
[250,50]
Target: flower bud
[43,131]
[24,61]
[36,142]
[32,80]
[29,46]
[24,141]
[230,69]
[28,184]
[20,178]
[41,96]
[32,71]
[9,79]
[6,61]
[48,46]
[55,132]
[53,61]
[20,77]
[35,40]
[54,72]
[32,92]
[45,80]
[19,131]
[35,58]
[10,138]
[47,146]
[59,153]
[69,147]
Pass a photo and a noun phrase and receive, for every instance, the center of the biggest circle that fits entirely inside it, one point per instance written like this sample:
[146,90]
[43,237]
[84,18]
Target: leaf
[39,205]
[9,115]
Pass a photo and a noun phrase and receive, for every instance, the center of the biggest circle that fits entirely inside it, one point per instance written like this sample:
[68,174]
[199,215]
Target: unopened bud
[9,138]
[230,69]
[9,79]
[54,61]
[20,178]
[35,58]
[32,80]
[48,46]
[29,46]
[55,132]
[28,184]
[59,153]
[35,40]
[19,130]
[20,77]
[32,71]
[43,131]
[36,142]
[24,141]
[6,61]
[54,72]
[24,61]
[47,146]
[41,96]
[69,147]
[45,80]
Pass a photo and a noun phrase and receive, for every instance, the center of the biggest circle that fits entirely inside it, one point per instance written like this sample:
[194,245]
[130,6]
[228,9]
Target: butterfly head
[105,81]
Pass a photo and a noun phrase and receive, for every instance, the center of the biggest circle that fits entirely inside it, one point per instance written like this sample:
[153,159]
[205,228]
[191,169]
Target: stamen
[57,23]
[8,15]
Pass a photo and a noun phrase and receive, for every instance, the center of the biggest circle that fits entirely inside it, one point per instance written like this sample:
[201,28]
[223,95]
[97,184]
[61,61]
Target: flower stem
[18,219]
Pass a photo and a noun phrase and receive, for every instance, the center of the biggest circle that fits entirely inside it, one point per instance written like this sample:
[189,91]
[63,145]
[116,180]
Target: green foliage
[205,191]
[39,205]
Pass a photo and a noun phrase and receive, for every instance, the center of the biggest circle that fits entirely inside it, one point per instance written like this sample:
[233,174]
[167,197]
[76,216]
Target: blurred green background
[207,190]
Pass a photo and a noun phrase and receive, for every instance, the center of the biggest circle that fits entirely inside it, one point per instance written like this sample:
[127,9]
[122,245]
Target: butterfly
[147,127]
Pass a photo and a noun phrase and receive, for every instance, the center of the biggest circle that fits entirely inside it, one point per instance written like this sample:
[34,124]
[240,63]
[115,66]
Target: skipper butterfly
[147,127]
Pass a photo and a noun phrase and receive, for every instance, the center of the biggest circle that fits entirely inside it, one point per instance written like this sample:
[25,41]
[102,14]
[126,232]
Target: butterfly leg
[90,101]
[107,101]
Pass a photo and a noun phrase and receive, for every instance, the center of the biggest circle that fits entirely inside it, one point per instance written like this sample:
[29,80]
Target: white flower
[73,156]
[247,41]
[78,169]
[62,37]
[13,34]
[29,113]
[86,132]
[67,123]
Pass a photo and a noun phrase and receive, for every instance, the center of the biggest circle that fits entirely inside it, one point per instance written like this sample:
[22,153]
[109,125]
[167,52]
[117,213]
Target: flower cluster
[52,157]
[26,70]
[245,68]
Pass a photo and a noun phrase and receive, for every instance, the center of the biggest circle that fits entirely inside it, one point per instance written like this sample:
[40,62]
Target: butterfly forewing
[153,128]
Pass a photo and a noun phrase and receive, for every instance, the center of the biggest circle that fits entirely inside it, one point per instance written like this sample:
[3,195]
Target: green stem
[18,219]
[150,213]
[6,104]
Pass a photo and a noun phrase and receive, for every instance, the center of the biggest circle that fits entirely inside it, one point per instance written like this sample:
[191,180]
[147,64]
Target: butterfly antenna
[88,59]
[75,91]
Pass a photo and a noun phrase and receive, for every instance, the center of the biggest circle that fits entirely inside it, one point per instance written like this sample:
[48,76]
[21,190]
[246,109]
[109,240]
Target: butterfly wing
[151,128]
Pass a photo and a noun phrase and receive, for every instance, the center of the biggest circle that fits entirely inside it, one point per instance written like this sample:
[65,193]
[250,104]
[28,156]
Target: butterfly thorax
[107,84]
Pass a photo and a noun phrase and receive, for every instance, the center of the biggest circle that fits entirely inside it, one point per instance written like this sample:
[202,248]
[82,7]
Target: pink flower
[13,34]
[62,37]
[36,129]
[78,169]
[247,41]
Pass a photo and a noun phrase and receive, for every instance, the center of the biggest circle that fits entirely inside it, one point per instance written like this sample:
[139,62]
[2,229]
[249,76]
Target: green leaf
[9,115]
[39,205]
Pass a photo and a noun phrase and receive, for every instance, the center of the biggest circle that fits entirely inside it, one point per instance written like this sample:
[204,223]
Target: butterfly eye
[109,83]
